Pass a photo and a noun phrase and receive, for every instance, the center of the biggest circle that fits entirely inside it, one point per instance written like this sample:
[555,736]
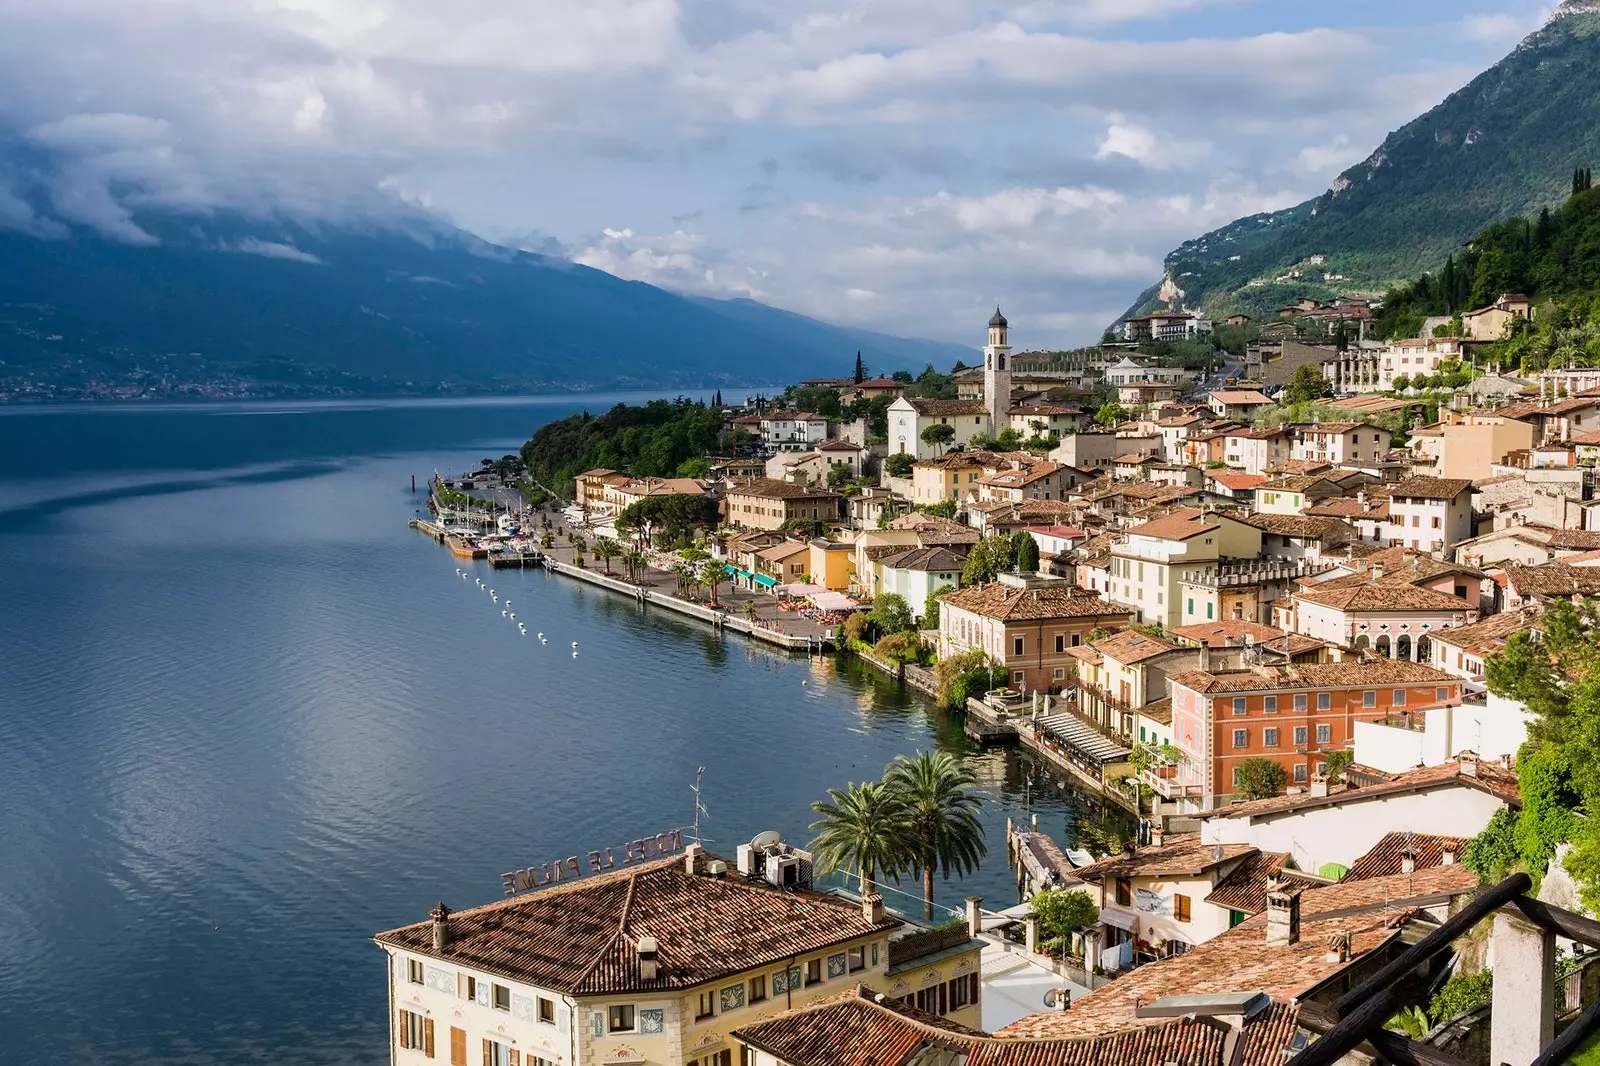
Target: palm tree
[750,609]
[635,561]
[862,830]
[711,575]
[606,549]
[944,832]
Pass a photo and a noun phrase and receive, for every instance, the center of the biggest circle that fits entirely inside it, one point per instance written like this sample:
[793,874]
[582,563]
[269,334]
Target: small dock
[989,732]
[1040,863]
[517,561]
[428,528]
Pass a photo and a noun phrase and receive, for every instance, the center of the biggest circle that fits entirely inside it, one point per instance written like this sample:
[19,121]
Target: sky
[904,165]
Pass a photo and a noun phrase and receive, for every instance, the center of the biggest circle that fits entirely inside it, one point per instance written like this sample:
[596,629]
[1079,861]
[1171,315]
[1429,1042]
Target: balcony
[1254,572]
[1100,695]
[1163,780]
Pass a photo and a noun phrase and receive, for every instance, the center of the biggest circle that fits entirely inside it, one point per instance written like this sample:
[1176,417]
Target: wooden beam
[1392,1047]
[1485,903]
[1557,920]
[1350,1031]
[1561,1049]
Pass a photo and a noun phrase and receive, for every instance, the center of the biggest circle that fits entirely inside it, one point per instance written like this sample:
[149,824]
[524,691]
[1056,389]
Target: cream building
[910,417]
[652,964]
[1147,568]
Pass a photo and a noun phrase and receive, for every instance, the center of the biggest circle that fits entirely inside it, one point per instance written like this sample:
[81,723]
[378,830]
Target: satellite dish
[765,839]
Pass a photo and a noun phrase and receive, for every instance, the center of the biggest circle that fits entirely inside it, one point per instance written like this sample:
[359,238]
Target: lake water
[249,718]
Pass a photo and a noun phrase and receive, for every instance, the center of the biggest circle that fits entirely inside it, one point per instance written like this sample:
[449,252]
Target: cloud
[272,250]
[1142,145]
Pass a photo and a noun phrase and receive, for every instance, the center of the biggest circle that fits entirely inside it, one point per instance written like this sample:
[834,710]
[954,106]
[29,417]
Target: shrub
[1261,778]
[855,628]
[900,648]
[1061,911]
[899,465]
[892,614]
[1463,992]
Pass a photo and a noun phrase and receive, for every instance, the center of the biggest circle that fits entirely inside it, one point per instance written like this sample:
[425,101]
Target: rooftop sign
[573,867]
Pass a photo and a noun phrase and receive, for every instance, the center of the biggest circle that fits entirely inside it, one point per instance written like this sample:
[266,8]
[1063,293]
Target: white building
[910,417]
[793,431]
[1430,513]
[1491,725]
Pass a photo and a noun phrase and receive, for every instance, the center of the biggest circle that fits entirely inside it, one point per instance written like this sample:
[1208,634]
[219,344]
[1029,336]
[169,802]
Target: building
[910,416]
[1045,419]
[1292,715]
[1026,479]
[624,966]
[1242,487]
[792,431]
[832,563]
[1140,394]
[787,562]
[1291,538]
[1489,323]
[1367,512]
[1097,450]
[1463,650]
[1242,590]
[1147,567]
[1468,449]
[1257,451]
[1025,626]
[917,574]
[1166,326]
[844,455]
[1339,823]
[589,487]
[872,388]
[768,504]
[620,494]
[1390,619]
[1118,675]
[1156,895]
[1430,514]
[1290,495]
[1339,443]
[1238,404]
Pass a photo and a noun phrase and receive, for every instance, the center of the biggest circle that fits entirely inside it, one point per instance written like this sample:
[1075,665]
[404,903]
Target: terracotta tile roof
[1554,579]
[925,406]
[853,1029]
[1178,855]
[839,446]
[1131,646]
[1490,777]
[598,471]
[1236,481]
[1576,539]
[1302,483]
[1239,396]
[1008,603]
[1491,632]
[1227,634]
[933,530]
[928,560]
[1385,597]
[1385,892]
[771,489]
[1429,488]
[1349,507]
[1182,524]
[1158,711]
[1245,889]
[1293,525]
[1383,860]
[1347,674]
[581,938]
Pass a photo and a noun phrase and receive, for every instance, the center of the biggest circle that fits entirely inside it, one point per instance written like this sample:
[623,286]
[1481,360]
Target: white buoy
[541,636]
[502,614]
[574,644]
[513,615]
[574,655]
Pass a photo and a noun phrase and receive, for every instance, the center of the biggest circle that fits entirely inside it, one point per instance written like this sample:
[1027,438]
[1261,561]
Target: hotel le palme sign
[573,866]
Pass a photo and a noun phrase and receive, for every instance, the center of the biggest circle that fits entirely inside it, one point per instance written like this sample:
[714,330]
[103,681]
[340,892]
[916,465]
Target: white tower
[997,376]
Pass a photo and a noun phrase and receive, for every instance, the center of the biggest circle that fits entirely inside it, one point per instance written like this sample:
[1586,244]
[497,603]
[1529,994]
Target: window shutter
[461,985]
[427,1037]
[516,1057]
[488,1052]
[400,1027]
[458,1047]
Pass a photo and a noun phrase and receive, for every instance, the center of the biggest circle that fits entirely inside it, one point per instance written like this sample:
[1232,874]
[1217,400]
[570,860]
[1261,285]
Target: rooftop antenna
[699,808]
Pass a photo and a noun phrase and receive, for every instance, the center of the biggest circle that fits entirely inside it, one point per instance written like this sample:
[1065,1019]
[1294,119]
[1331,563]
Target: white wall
[1344,832]
[1493,730]
[437,998]
[1390,748]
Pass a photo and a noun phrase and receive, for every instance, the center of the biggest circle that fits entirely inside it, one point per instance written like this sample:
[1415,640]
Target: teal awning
[730,568]
[766,582]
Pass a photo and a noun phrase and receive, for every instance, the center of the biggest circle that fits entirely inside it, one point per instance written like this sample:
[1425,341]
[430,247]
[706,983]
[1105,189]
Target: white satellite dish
[765,839]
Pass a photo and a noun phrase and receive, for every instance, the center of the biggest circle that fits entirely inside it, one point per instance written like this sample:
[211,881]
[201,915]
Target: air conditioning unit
[783,871]
[747,859]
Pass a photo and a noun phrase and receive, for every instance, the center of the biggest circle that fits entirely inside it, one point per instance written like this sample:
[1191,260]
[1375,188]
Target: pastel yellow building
[654,963]
[947,477]
[833,563]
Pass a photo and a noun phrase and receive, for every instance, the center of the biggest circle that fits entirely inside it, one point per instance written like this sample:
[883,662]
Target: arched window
[1382,646]
[1424,649]
[1402,647]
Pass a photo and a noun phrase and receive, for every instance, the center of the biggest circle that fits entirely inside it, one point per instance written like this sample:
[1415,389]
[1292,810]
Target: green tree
[1401,383]
[712,574]
[940,434]
[942,812]
[930,607]
[892,614]
[1061,912]
[1110,414]
[861,368]
[1027,554]
[899,464]
[862,830]
[1492,854]
[1306,384]
[606,549]
[1260,778]
[988,559]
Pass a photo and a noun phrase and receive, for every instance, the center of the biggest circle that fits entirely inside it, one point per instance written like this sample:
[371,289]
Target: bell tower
[997,376]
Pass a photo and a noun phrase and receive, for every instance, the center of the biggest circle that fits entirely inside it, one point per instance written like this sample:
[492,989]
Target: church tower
[997,376]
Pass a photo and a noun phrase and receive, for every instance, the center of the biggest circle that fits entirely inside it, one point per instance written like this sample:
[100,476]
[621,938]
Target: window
[856,959]
[414,1032]
[1300,702]
[1322,768]
[502,997]
[414,971]
[964,991]
[1238,705]
[1208,612]
[1190,609]
[1061,643]
[1300,772]
[1300,736]
[814,972]
[1399,697]
[1324,701]
[1124,892]
[705,1006]
[1077,638]
[1270,704]
[758,990]
[1060,674]
[1241,738]
[469,987]
[1016,645]
[1324,733]
[1441,695]
[1436,522]
[716,1058]
[496,1053]
[547,1011]
[619,1018]
[1269,737]
[1180,907]
[1369,699]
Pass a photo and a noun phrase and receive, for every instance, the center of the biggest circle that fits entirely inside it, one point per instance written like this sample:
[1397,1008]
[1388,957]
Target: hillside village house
[1147,567]
[1026,480]
[1340,442]
[909,417]
[917,574]
[620,495]
[1242,487]
[1239,404]
[768,504]
[1028,628]
[1291,495]
[1411,358]
[1469,448]
[1490,323]
[1390,619]
[589,490]
[1430,514]
[1097,450]
[1291,715]
[1118,675]
[1290,538]
[793,431]
[1257,451]
[623,966]
[1556,419]
[1045,419]
[1139,394]
[948,477]
[832,563]
[872,388]
[1165,326]
[786,563]
[1156,894]
[1241,590]
[844,455]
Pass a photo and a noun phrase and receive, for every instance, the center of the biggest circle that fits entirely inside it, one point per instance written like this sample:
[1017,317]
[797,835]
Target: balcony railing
[1164,781]
[1254,572]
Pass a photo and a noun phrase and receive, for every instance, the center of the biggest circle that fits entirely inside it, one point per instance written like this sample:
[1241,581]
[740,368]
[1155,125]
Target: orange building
[1293,715]
[1028,628]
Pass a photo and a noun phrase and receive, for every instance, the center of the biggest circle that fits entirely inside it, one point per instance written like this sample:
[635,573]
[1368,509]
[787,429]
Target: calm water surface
[248,718]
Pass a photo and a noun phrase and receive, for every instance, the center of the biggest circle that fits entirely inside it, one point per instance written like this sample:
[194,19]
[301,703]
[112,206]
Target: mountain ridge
[1503,144]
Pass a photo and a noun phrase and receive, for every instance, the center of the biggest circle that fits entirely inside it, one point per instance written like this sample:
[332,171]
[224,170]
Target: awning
[833,601]
[1083,738]
[730,568]
[766,582]
[801,589]
[1122,921]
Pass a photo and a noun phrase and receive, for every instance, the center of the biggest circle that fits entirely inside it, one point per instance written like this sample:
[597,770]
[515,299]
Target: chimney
[1216,852]
[1319,785]
[1377,571]
[1408,862]
[1338,947]
[1283,918]
[1205,656]
[1157,835]
[1469,763]
[1447,857]
[974,916]
[1062,998]
[1031,933]
[441,927]
[872,908]
[694,860]
[649,958]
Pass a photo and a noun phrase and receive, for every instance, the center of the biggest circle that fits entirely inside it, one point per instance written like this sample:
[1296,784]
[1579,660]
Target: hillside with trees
[663,438]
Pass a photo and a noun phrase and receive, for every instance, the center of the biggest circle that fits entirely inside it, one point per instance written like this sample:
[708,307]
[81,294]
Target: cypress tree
[1447,284]
[861,368]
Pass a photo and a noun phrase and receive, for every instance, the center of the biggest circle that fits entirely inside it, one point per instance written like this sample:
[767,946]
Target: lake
[250,718]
